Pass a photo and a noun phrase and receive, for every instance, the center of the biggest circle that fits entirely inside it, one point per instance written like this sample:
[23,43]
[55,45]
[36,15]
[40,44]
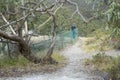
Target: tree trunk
[24,48]
[51,48]
[48,57]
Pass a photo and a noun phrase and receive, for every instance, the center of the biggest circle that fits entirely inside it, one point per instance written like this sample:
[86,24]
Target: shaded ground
[29,70]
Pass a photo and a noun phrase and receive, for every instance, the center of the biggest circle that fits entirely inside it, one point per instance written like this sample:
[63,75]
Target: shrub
[107,63]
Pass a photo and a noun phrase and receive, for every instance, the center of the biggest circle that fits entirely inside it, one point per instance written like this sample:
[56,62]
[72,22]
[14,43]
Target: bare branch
[24,17]
[73,14]
[77,10]
[13,38]
[34,3]
[8,23]
[50,17]
[13,22]
[12,13]
[92,18]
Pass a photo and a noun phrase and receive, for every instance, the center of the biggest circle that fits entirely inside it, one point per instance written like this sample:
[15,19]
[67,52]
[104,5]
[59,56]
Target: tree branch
[13,38]
[77,10]
[50,17]
[13,22]
[51,48]
[24,17]
[8,23]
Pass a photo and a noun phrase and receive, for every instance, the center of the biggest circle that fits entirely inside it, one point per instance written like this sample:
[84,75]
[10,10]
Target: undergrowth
[20,61]
[5,62]
[58,57]
[99,40]
[106,63]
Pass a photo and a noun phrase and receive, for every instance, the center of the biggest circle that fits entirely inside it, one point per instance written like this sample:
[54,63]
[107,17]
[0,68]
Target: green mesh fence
[64,38]
[3,47]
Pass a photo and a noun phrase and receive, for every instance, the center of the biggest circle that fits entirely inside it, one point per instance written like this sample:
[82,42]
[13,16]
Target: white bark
[8,23]
[26,26]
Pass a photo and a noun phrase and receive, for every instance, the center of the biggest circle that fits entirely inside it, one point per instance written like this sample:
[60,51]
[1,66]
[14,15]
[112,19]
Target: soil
[30,69]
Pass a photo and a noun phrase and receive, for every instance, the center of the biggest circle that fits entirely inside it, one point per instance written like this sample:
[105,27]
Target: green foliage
[63,22]
[99,40]
[6,5]
[113,14]
[100,32]
[35,22]
[63,16]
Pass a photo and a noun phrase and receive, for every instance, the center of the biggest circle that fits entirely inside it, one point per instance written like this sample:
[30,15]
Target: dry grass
[93,44]
[16,68]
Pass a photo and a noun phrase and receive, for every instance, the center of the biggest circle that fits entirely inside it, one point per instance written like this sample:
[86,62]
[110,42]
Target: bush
[115,69]
[58,57]
[107,63]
